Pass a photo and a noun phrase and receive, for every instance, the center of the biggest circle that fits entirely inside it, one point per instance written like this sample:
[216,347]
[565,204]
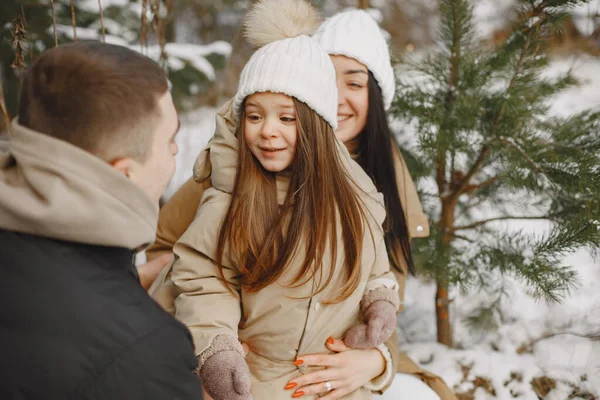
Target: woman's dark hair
[376,157]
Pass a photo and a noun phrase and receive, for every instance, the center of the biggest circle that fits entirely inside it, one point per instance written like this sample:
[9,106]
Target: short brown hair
[99,97]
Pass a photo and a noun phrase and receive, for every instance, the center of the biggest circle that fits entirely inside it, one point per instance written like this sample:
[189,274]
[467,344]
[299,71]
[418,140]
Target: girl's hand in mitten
[225,376]
[379,308]
[223,370]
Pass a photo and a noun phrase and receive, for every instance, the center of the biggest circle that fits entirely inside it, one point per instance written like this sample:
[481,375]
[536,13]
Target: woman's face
[353,97]
[270,129]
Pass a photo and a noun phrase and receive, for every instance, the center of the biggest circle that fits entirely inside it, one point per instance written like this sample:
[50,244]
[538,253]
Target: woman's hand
[345,371]
[149,271]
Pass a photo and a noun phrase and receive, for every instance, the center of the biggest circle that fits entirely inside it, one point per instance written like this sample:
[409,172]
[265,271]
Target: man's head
[110,101]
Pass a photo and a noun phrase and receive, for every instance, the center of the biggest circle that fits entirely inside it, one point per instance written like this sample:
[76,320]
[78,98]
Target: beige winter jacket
[49,187]
[278,323]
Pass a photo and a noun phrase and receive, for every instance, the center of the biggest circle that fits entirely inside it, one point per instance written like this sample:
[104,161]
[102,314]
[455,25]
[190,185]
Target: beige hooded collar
[51,188]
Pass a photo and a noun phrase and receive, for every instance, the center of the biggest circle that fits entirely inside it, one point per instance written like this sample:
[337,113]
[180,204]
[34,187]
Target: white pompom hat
[355,34]
[288,61]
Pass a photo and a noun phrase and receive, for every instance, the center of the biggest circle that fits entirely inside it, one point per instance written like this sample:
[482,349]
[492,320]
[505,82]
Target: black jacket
[76,324]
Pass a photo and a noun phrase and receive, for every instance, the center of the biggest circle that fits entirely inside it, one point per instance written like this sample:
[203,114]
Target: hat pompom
[271,20]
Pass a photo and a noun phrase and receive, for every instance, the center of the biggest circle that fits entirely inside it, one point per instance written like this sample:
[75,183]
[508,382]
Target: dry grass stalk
[543,385]
[54,23]
[19,39]
[25,26]
[156,20]
[4,110]
[73,20]
[159,28]
[144,24]
[162,36]
[102,21]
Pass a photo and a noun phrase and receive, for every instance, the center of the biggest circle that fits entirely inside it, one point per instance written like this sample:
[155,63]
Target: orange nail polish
[290,385]
[298,394]
[298,362]
[330,340]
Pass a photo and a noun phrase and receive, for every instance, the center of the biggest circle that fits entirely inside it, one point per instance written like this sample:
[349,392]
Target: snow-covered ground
[500,363]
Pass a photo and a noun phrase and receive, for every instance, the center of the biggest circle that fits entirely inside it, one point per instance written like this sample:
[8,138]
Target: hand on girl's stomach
[345,371]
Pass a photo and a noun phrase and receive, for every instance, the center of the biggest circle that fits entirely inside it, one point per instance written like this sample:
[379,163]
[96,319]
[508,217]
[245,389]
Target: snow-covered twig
[503,218]
[521,152]
[528,347]
[102,21]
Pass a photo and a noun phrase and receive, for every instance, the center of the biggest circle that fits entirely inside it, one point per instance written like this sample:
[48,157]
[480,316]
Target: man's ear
[123,165]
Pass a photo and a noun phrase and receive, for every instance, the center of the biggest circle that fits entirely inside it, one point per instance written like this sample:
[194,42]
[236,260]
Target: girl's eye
[288,119]
[356,85]
[253,117]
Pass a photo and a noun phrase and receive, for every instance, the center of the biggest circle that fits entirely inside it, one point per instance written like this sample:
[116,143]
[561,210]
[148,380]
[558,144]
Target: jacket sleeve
[159,366]
[176,216]
[203,302]
[381,285]
[381,277]
[401,279]
[416,220]
[389,351]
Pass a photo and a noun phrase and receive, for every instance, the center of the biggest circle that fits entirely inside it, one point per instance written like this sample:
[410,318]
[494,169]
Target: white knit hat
[288,60]
[355,34]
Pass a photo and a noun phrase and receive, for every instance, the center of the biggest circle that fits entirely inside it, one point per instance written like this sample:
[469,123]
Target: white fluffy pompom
[271,20]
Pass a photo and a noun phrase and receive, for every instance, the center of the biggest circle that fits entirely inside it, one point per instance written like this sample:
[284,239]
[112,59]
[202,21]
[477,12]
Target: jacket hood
[54,189]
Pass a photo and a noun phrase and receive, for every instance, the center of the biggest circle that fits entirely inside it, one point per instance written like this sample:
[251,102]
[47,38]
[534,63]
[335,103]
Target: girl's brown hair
[263,238]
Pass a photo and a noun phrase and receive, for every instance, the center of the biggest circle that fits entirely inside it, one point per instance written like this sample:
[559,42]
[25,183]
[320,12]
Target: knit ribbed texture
[355,34]
[297,67]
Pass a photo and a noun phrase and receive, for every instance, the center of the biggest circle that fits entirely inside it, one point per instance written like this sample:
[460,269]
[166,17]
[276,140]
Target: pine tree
[495,154]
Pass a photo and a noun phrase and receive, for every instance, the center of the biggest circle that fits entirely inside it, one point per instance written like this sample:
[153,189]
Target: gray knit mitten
[379,307]
[223,370]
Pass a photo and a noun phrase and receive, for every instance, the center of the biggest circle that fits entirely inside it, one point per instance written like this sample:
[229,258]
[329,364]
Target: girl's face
[270,129]
[353,97]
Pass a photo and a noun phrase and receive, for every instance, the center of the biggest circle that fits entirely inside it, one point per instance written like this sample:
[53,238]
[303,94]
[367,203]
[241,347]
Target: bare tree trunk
[363,4]
[444,329]
[442,301]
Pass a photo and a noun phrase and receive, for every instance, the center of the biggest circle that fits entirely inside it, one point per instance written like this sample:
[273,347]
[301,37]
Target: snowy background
[539,350]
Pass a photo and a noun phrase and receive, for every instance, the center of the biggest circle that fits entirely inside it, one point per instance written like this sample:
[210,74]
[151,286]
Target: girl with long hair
[287,249]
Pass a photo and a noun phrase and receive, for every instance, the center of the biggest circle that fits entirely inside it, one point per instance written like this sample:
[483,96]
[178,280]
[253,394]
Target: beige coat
[278,323]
